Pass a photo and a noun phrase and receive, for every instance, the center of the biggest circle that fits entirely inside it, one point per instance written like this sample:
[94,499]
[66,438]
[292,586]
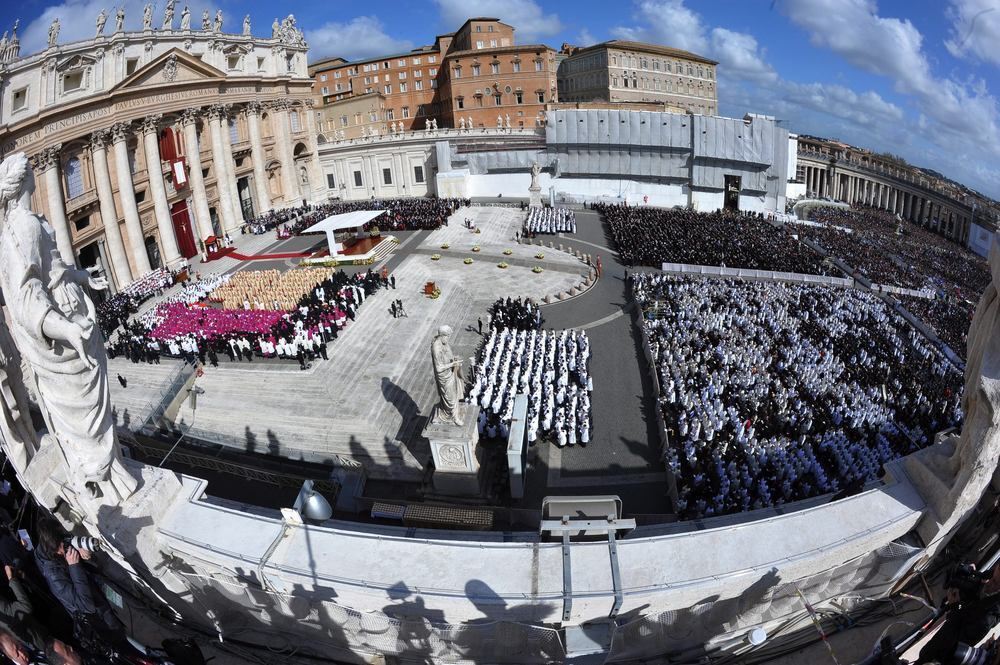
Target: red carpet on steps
[225,251]
[268,257]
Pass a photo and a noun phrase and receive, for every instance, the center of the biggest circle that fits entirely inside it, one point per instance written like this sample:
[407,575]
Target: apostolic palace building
[147,143]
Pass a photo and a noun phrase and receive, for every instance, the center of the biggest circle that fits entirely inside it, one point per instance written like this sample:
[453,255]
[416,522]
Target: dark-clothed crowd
[515,313]
[402,215]
[653,236]
[774,392]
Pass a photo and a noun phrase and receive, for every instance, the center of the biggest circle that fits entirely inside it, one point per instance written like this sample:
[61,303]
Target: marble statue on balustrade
[168,15]
[448,378]
[246,25]
[53,326]
[461,123]
[275,29]
[147,17]
[102,19]
[120,19]
[217,27]
[535,189]
[206,21]
[54,32]
[953,475]
[185,18]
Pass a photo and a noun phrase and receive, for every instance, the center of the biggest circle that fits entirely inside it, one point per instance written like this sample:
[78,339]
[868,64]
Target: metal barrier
[759,275]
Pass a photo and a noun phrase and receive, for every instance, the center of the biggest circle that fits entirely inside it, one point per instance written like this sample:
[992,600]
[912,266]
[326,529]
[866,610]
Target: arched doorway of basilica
[183,229]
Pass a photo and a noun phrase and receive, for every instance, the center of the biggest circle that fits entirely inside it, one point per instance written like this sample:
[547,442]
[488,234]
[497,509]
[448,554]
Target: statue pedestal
[535,197]
[454,448]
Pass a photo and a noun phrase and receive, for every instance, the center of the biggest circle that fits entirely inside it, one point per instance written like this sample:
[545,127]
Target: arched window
[74,178]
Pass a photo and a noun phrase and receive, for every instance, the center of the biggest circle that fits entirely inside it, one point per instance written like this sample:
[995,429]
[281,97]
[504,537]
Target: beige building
[145,143]
[625,71]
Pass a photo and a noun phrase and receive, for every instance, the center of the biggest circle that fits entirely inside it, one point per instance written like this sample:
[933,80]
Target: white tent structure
[347,220]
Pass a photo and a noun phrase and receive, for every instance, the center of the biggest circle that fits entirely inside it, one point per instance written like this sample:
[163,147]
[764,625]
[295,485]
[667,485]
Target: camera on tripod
[967,580]
[88,543]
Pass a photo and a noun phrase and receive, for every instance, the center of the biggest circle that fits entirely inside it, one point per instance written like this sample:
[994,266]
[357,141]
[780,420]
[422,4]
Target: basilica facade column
[252,111]
[282,137]
[120,270]
[229,219]
[316,183]
[120,133]
[47,161]
[202,216]
[151,147]
[230,163]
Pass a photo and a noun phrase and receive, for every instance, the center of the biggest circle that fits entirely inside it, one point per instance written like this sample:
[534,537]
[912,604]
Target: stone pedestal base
[454,449]
[535,197]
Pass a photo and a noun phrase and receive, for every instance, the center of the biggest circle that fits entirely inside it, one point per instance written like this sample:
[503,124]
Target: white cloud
[975,30]
[667,22]
[740,56]
[361,37]
[585,38]
[529,20]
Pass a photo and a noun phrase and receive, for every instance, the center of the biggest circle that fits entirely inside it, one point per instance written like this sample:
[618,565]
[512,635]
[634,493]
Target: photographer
[60,564]
[24,653]
[971,609]
[27,634]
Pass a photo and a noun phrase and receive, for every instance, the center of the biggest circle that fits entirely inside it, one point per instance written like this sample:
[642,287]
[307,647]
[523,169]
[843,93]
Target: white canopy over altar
[347,220]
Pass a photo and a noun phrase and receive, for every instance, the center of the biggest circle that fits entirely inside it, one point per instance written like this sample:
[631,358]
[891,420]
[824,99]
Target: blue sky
[918,78]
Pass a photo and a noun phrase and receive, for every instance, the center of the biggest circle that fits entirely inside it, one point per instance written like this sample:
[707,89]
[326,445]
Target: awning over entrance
[347,220]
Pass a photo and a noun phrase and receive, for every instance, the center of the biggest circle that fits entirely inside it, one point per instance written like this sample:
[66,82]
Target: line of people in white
[551,368]
[550,220]
[776,392]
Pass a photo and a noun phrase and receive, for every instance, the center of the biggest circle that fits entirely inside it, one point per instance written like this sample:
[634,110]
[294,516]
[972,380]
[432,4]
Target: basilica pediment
[173,67]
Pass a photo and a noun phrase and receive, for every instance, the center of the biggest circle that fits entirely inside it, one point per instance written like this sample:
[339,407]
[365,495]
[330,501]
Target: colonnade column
[47,161]
[229,220]
[257,156]
[151,147]
[126,196]
[120,271]
[230,163]
[202,215]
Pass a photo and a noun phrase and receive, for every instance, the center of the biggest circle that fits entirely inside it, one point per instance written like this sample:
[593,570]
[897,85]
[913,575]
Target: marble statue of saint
[448,377]
[54,32]
[246,25]
[19,437]
[102,18]
[953,475]
[120,19]
[461,123]
[435,122]
[206,21]
[168,15]
[535,170]
[185,18]
[506,121]
[53,325]
[499,122]
[218,21]
[275,29]
[469,123]
[147,17]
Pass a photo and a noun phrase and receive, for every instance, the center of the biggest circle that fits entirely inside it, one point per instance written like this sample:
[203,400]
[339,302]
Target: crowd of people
[551,368]
[549,220]
[948,317]
[203,332]
[117,308]
[401,214]
[653,236]
[515,313]
[775,392]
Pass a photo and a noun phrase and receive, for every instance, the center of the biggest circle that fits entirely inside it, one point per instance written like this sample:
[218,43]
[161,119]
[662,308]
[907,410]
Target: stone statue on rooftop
[185,18]
[53,326]
[218,21]
[54,32]
[275,29]
[102,18]
[953,475]
[206,21]
[535,171]
[448,377]
[147,17]
[246,25]
[120,19]
[168,15]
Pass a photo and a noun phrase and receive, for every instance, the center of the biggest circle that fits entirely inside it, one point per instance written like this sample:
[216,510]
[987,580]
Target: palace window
[325,90]
[479,43]
[387,89]
[343,121]
[387,176]
[402,76]
[458,72]
[331,182]
[475,70]
[260,65]
[538,65]
[493,43]
[460,102]
[519,97]
[130,66]
[82,223]
[357,178]
[416,61]
[406,111]
[495,68]
[418,174]
[497,99]
[417,73]
[389,115]
[74,178]
[432,58]
[541,98]
[401,63]
[418,85]
[402,87]
[517,66]
[234,135]
[432,71]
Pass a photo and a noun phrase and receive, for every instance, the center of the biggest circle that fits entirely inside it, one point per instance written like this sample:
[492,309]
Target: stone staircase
[133,406]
